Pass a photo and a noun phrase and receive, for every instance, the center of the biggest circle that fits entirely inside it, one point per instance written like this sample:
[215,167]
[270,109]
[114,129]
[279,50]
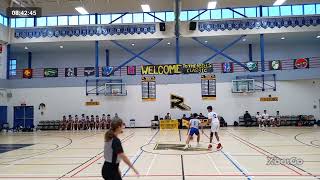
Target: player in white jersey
[215,125]
[193,129]
[259,119]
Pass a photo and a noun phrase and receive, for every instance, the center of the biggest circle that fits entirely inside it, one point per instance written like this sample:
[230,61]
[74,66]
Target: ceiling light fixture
[318,37]
[145,7]
[132,44]
[279,2]
[26,47]
[283,38]
[61,47]
[169,43]
[244,39]
[212,5]
[206,42]
[81,10]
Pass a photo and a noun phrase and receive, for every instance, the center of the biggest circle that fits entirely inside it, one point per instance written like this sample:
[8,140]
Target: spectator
[184,116]
[247,119]
[167,116]
[276,120]
[116,117]
[266,118]
[108,121]
[201,116]
[259,120]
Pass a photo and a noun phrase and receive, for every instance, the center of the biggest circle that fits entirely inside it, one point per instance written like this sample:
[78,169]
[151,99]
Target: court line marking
[181,156]
[214,164]
[252,146]
[154,157]
[141,151]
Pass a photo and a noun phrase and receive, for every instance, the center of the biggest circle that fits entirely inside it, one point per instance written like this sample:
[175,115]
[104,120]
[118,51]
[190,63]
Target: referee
[113,153]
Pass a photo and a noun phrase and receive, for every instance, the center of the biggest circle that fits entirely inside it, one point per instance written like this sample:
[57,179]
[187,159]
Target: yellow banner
[170,69]
[93,103]
[266,99]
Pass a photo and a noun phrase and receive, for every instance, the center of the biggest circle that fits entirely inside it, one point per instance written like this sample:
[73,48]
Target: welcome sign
[171,69]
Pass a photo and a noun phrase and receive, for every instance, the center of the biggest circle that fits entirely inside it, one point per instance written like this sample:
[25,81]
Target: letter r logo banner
[178,102]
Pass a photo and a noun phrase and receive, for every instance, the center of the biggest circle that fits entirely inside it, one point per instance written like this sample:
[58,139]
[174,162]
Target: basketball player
[91,122]
[63,125]
[97,123]
[70,123]
[87,123]
[259,119]
[76,123]
[82,122]
[215,125]
[266,118]
[194,124]
[108,121]
[103,122]
[276,120]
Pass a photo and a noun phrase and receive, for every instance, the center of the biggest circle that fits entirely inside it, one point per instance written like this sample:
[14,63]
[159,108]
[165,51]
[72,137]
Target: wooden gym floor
[79,155]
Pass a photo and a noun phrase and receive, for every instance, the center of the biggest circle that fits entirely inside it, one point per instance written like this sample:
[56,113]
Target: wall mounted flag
[71,72]
[131,70]
[27,73]
[302,63]
[107,71]
[275,65]
[227,67]
[50,72]
[89,71]
[252,66]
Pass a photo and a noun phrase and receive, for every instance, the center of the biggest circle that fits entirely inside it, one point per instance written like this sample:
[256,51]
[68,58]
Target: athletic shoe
[219,146]
[187,147]
[210,146]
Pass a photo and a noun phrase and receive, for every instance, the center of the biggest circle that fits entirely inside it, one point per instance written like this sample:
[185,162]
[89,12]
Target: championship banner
[208,87]
[50,72]
[71,72]
[148,85]
[171,69]
[275,65]
[268,99]
[89,71]
[27,73]
[302,63]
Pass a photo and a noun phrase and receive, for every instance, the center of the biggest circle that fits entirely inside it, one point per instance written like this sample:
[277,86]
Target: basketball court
[248,70]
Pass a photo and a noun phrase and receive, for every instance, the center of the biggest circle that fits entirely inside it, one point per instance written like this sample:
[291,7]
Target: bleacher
[286,120]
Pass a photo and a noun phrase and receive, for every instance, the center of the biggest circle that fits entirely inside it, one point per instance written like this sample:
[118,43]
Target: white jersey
[265,116]
[214,117]
[194,123]
[258,116]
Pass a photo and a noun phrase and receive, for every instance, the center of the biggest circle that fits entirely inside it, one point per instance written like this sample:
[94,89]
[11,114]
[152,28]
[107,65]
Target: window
[265,12]
[93,19]
[318,9]
[42,21]
[160,15]
[192,14]
[239,10]
[148,18]
[13,22]
[205,15]
[216,14]
[105,19]
[297,10]
[127,18]
[285,10]
[184,16]
[83,19]
[170,16]
[1,19]
[29,22]
[137,17]
[274,11]
[73,20]
[6,21]
[12,67]
[116,16]
[62,20]
[227,14]
[251,12]
[20,22]
[309,9]
[52,21]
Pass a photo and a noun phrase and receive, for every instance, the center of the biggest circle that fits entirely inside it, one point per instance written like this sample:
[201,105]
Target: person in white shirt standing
[193,129]
[215,125]
[266,118]
[259,119]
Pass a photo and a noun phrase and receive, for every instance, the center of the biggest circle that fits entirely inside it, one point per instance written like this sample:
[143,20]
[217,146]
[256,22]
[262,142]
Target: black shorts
[111,171]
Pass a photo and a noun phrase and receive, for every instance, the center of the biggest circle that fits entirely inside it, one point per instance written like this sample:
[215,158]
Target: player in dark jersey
[91,122]
[97,123]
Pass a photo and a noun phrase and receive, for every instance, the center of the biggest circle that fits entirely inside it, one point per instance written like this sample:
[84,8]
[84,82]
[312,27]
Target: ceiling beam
[20,3]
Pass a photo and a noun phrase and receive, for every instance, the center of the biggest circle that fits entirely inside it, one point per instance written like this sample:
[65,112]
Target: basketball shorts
[194,131]
[215,127]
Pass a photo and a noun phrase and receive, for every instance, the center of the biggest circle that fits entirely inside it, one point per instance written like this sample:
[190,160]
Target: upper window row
[215,14]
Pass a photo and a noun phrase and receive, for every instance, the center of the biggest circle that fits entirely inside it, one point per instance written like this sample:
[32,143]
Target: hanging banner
[50,72]
[275,65]
[71,72]
[27,73]
[171,69]
[107,71]
[252,66]
[302,63]
[89,71]
[148,86]
[131,70]
[227,67]
[208,87]
[268,99]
